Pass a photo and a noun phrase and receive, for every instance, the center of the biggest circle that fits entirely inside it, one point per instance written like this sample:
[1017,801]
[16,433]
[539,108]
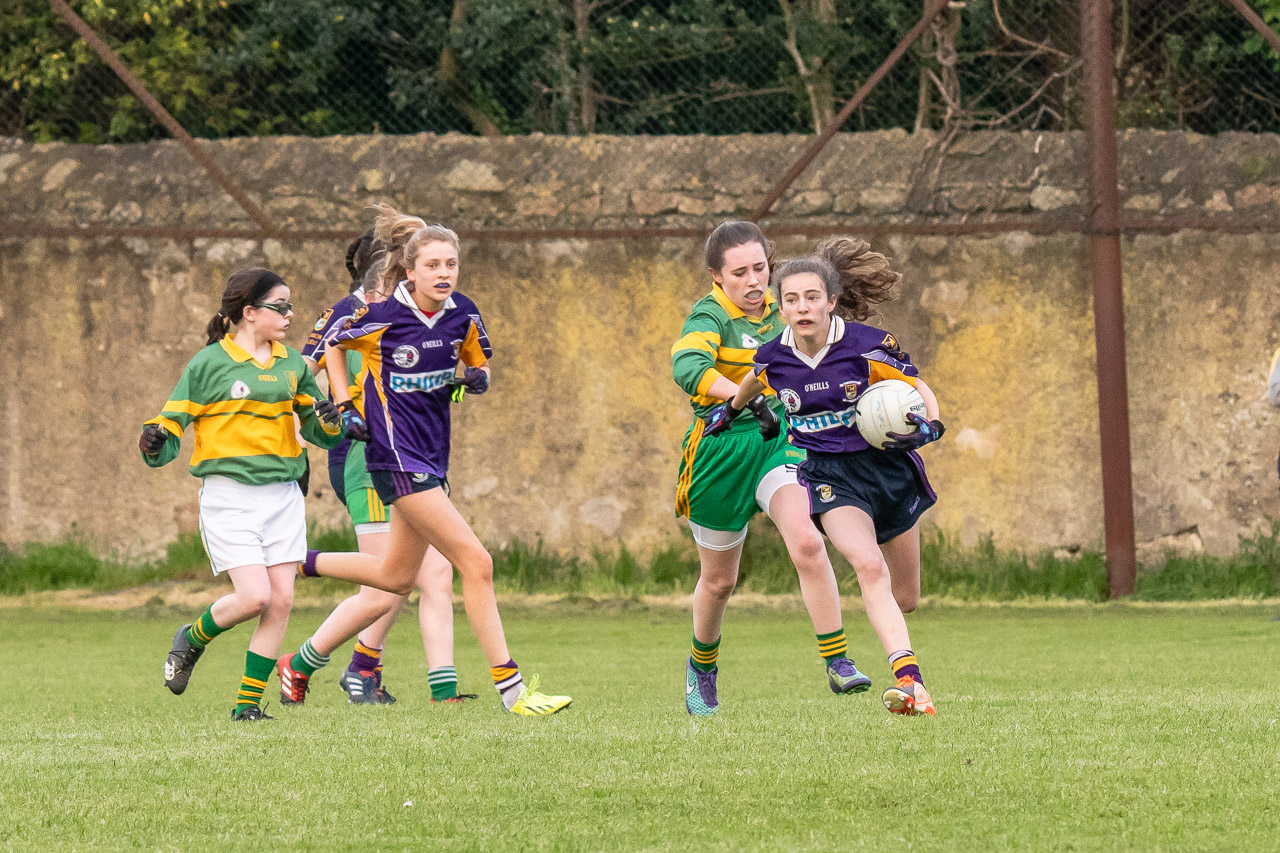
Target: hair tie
[226,321]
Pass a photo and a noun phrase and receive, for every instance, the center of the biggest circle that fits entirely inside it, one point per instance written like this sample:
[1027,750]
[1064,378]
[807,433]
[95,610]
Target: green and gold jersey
[243,414]
[719,339]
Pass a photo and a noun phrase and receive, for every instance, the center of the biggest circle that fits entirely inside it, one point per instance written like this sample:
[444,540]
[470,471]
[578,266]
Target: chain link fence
[321,67]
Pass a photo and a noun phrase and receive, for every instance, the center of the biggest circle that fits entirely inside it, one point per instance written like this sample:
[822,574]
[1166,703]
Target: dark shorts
[392,485]
[889,486]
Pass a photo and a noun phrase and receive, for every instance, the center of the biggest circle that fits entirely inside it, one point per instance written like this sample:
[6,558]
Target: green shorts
[719,475]
[363,504]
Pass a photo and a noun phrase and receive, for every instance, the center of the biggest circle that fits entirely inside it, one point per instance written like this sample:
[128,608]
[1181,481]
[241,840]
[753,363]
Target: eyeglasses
[281,308]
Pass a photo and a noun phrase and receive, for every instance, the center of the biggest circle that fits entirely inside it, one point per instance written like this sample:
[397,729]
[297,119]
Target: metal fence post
[1108,298]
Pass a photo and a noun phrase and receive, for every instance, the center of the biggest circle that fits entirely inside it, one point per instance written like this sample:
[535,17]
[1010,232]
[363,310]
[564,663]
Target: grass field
[1060,728]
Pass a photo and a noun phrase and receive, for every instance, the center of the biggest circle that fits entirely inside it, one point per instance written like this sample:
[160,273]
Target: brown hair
[361,254]
[815,264]
[403,236]
[243,288]
[865,277]
[727,235]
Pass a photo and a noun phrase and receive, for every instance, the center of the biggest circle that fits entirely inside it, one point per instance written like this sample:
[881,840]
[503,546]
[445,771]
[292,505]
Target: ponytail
[217,328]
[402,235]
[865,277]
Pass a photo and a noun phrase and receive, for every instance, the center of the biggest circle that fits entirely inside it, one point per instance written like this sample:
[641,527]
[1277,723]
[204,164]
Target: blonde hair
[865,277]
[404,235]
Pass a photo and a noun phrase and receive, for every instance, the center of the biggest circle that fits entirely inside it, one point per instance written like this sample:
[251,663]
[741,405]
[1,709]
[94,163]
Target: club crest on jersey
[749,342]
[405,356]
[889,342]
[457,350]
[790,400]
[826,494]
[324,318]
[850,390]
[239,390]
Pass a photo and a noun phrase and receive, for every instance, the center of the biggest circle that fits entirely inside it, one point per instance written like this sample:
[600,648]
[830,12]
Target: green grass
[950,570]
[1089,727]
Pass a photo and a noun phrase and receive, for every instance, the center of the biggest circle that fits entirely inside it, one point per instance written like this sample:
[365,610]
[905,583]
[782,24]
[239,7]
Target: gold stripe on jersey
[172,426]
[702,341]
[471,353]
[238,435]
[879,371]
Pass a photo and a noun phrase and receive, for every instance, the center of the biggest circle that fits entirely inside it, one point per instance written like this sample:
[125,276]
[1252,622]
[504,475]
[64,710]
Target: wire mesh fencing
[320,67]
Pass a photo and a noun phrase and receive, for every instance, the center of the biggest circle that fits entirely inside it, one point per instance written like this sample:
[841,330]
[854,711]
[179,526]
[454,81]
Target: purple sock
[360,662]
[308,567]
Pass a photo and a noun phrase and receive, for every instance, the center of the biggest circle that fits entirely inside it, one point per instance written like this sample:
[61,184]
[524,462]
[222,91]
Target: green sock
[705,654]
[833,646]
[257,670]
[203,630]
[444,683]
[308,660]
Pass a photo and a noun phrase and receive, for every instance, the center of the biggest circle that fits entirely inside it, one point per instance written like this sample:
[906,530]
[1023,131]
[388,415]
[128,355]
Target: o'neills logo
[406,383]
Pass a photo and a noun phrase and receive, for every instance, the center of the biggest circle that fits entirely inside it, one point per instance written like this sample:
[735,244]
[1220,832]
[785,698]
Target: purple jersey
[819,392]
[334,320]
[410,360]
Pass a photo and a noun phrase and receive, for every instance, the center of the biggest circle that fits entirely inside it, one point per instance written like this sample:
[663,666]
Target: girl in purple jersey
[362,680]
[419,345]
[867,501]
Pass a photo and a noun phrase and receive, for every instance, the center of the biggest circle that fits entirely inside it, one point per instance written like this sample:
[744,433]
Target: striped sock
[904,663]
[203,630]
[257,670]
[833,646]
[507,681]
[308,660]
[365,658]
[444,682]
[307,568]
[705,655]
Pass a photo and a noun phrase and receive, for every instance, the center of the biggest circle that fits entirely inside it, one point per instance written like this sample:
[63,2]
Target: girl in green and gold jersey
[242,393]
[750,468]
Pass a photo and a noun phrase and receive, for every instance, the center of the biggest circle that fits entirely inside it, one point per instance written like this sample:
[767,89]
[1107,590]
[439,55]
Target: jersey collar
[734,312]
[240,355]
[358,293]
[835,333]
[405,298]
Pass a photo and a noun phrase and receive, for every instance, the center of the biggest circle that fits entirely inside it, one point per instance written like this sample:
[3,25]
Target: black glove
[328,413]
[927,431]
[476,380]
[766,418]
[304,482]
[719,419]
[153,439]
[353,426]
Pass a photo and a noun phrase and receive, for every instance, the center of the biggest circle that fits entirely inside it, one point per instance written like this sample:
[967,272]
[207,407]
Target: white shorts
[723,540]
[252,525]
[371,527]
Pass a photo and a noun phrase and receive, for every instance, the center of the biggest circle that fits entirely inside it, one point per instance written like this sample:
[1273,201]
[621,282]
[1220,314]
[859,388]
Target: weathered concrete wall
[579,441]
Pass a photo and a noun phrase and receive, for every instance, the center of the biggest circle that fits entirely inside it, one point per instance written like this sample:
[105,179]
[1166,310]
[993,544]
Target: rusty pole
[1258,24]
[1108,298]
[815,148]
[162,115]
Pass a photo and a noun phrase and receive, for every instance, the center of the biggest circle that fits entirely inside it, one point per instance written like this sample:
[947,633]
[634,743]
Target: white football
[883,408]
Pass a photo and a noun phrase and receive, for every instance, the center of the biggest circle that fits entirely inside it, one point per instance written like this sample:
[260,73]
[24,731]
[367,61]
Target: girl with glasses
[242,393]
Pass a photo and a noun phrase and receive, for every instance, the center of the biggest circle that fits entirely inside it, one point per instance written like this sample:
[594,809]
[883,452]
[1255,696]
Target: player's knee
[256,601]
[808,552]
[870,568]
[281,601]
[719,585]
[478,567]
[907,600]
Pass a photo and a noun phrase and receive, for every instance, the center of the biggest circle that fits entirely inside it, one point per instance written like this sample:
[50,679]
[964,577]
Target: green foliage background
[320,67]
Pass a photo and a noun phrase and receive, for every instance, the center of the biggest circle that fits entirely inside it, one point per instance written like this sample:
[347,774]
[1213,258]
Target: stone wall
[578,443]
